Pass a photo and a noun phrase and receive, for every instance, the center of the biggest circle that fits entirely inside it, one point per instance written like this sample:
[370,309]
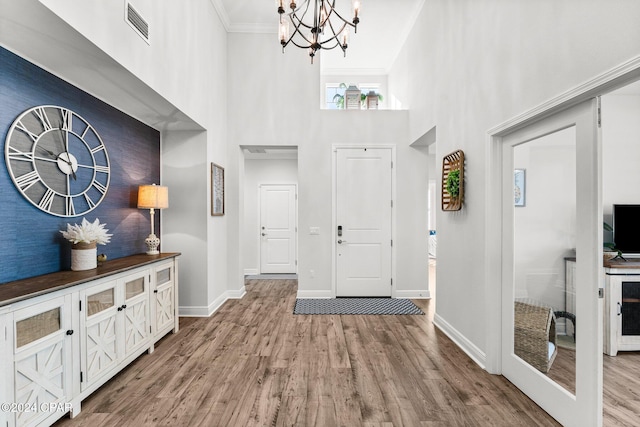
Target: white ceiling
[383,28]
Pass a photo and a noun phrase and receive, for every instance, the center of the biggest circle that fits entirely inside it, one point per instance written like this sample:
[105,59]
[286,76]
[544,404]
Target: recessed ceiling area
[382,31]
[265,152]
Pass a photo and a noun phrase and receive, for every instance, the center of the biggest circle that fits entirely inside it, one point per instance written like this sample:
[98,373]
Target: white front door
[363,214]
[552,206]
[277,228]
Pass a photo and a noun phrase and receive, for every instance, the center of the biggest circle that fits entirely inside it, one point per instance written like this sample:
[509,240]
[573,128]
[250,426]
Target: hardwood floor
[253,363]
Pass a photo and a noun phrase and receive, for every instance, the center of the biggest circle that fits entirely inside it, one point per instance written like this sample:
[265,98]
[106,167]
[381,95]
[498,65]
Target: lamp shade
[153,197]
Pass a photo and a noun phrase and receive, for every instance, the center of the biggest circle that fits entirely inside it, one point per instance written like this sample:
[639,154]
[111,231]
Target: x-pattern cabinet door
[42,358]
[163,303]
[99,320]
[135,291]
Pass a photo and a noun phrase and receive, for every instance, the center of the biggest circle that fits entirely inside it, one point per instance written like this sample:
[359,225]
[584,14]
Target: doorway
[363,200]
[278,228]
[268,167]
[542,211]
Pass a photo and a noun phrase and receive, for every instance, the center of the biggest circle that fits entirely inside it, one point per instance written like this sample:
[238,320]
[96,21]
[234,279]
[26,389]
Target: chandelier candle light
[153,197]
[324,27]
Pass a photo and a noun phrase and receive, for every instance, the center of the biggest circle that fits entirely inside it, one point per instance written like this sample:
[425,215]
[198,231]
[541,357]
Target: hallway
[253,363]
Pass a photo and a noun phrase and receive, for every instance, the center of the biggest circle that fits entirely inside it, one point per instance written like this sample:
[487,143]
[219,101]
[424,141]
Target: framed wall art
[519,187]
[217,190]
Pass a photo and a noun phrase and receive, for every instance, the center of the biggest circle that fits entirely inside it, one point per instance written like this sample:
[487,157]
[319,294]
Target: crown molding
[222,13]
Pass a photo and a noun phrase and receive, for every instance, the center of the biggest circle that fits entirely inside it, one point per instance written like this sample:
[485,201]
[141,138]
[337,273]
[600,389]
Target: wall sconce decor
[453,181]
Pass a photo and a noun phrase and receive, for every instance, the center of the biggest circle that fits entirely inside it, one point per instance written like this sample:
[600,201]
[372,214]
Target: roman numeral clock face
[57,160]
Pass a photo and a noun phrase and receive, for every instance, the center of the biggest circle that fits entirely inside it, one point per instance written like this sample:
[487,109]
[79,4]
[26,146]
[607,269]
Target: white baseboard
[315,294]
[237,294]
[461,341]
[417,294]
[251,271]
[202,311]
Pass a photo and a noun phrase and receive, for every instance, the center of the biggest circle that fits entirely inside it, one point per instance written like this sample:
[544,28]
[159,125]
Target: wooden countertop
[620,263]
[12,292]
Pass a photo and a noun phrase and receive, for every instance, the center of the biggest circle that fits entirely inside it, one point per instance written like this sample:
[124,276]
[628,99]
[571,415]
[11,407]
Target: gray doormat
[355,306]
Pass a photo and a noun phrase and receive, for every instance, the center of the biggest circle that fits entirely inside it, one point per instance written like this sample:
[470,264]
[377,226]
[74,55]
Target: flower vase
[84,256]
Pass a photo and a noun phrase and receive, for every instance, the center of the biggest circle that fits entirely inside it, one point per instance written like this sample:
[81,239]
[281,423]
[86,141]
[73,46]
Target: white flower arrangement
[87,232]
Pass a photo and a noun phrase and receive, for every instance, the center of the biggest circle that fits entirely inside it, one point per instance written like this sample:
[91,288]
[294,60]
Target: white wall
[545,228]
[257,172]
[178,81]
[285,111]
[470,65]
[620,152]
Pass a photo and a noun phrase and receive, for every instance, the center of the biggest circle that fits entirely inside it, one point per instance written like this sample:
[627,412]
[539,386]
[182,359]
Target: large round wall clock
[57,160]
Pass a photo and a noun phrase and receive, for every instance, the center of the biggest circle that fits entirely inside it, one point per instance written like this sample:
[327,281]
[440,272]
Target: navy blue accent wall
[30,242]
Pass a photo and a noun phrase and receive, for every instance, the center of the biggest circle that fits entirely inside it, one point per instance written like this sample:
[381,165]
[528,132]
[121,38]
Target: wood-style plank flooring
[253,363]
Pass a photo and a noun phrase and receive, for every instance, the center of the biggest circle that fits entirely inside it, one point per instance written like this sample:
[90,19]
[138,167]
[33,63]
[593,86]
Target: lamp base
[152,243]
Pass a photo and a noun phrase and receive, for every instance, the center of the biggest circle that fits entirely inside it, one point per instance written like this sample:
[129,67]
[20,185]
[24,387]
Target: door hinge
[149,328]
[391,165]
[296,262]
[599,112]
[296,196]
[392,203]
[391,242]
[391,282]
[80,304]
[296,229]
[81,379]
[600,292]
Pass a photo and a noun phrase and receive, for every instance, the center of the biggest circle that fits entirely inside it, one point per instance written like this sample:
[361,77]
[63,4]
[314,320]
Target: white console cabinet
[622,307]
[67,333]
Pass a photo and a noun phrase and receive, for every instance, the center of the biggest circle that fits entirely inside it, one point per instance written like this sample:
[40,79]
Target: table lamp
[153,197]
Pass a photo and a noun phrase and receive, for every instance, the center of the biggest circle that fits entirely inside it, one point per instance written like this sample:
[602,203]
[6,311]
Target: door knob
[264,234]
[341,241]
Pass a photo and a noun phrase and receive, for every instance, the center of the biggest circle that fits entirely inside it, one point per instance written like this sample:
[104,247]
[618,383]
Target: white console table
[619,336]
[63,335]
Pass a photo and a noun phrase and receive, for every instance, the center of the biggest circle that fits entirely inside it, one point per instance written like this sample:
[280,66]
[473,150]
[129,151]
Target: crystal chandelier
[323,29]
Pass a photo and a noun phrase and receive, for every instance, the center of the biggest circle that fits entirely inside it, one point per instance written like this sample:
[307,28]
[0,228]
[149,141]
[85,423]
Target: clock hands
[60,157]
[66,149]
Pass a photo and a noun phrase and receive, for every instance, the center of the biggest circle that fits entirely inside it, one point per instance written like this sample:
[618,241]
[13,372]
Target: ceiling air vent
[137,22]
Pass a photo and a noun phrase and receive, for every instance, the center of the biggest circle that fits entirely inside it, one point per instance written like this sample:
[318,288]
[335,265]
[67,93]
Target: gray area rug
[355,306]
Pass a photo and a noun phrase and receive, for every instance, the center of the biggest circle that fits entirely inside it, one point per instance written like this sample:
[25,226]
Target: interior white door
[557,208]
[278,228]
[363,214]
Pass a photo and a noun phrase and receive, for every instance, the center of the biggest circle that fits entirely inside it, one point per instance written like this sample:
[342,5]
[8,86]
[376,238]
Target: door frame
[258,231]
[334,206]
[608,81]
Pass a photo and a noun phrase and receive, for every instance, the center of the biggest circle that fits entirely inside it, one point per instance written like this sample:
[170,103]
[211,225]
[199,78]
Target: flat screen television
[626,228]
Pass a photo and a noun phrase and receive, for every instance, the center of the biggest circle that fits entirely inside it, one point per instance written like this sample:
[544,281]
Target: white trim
[207,311]
[460,340]
[251,271]
[334,224]
[222,13]
[612,79]
[413,294]
[315,294]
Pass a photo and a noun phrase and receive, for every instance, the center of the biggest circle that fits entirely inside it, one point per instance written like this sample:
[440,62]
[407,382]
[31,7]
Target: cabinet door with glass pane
[42,345]
[163,301]
[99,325]
[135,291]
